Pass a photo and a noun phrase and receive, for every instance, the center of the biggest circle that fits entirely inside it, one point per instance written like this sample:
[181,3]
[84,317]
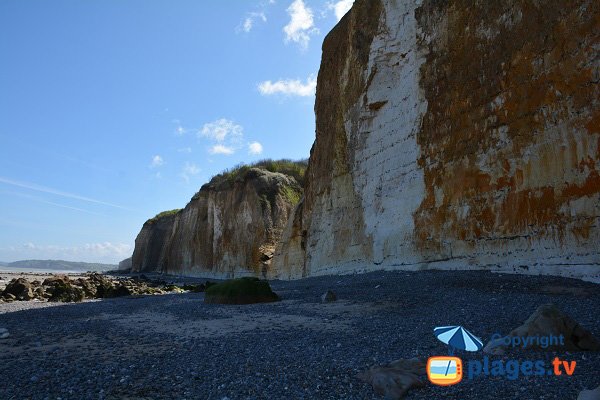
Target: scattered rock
[195,288]
[121,290]
[328,297]
[545,321]
[56,280]
[246,290]
[589,394]
[66,293]
[4,333]
[393,380]
[20,288]
[86,285]
[9,297]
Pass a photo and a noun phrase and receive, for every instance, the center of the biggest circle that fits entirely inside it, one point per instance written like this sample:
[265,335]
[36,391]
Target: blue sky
[114,110]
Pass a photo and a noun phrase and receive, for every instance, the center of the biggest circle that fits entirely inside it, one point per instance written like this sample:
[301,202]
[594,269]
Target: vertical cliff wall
[454,135]
[229,228]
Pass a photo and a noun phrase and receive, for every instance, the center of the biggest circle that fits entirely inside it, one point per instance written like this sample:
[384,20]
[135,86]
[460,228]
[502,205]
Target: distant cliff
[59,265]
[454,135]
[229,228]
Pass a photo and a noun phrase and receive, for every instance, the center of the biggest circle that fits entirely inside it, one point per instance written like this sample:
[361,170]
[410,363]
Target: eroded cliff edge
[229,228]
[454,135]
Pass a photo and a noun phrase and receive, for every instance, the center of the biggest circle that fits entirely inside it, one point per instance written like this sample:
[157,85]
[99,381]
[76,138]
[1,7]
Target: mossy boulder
[20,288]
[240,291]
[65,292]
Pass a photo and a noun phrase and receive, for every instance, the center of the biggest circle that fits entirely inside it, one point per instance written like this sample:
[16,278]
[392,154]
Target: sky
[112,111]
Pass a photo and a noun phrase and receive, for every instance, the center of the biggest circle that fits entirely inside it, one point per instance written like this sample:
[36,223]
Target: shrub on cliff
[294,169]
[162,215]
[240,291]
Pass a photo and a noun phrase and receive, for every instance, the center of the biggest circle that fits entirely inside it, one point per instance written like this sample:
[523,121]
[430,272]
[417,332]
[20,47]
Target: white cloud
[186,150]
[225,134]
[180,130]
[255,148]
[188,170]
[157,161]
[221,149]
[301,24]
[340,8]
[290,87]
[106,252]
[222,129]
[248,23]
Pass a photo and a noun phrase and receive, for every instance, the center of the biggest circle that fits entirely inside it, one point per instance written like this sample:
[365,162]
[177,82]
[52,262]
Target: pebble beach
[174,346]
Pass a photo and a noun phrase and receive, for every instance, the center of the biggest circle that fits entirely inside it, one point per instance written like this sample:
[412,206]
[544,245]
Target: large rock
[66,293]
[454,135]
[589,394]
[393,380]
[545,321]
[247,290]
[229,228]
[20,288]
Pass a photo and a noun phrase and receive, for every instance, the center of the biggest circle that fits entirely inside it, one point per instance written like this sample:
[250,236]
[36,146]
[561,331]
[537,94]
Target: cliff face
[454,135]
[229,228]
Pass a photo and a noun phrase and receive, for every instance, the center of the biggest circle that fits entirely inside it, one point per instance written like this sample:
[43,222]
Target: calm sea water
[39,270]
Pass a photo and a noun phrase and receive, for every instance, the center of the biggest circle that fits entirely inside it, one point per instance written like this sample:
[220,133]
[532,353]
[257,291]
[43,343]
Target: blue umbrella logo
[457,337]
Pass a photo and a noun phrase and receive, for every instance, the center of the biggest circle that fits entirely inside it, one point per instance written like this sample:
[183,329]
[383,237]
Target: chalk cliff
[229,228]
[454,135]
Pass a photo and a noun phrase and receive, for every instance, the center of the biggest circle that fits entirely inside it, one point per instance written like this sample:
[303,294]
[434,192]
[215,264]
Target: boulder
[20,288]
[56,280]
[66,293]
[40,293]
[328,297]
[194,288]
[240,291]
[589,394]
[393,380]
[8,297]
[4,333]
[549,320]
[88,288]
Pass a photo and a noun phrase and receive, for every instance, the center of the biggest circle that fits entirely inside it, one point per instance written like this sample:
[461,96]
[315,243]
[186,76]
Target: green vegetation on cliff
[295,169]
[162,215]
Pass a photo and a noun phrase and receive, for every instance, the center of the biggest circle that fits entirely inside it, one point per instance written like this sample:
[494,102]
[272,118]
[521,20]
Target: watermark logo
[444,371]
[448,370]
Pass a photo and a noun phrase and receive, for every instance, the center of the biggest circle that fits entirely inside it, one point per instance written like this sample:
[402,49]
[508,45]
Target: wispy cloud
[340,8]
[56,192]
[289,87]
[186,150]
[157,161]
[255,148]
[221,149]
[301,25]
[40,200]
[249,20]
[189,170]
[180,130]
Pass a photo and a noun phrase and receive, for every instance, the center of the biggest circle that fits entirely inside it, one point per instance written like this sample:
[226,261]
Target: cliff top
[163,215]
[291,168]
